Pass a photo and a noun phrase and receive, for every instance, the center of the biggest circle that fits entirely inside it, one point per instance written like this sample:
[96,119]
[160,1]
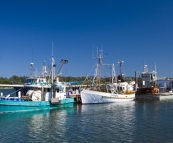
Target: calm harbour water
[7,91]
[114,122]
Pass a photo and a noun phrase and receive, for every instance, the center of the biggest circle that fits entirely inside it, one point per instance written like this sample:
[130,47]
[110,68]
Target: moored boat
[39,94]
[89,96]
[115,91]
[153,88]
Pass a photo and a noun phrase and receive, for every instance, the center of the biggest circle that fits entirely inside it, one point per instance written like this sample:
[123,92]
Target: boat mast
[31,69]
[53,73]
[53,65]
[155,78]
[120,63]
[155,72]
[98,67]
[113,74]
[44,70]
[31,66]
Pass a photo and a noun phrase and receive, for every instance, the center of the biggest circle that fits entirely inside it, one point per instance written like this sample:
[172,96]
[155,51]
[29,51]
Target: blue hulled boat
[38,93]
[16,106]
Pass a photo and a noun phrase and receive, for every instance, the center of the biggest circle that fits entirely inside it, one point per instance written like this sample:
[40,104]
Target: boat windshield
[30,80]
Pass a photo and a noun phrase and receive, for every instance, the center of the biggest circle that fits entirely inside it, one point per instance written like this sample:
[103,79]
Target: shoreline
[6,88]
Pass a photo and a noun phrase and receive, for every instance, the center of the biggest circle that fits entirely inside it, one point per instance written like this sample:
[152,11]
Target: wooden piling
[77,98]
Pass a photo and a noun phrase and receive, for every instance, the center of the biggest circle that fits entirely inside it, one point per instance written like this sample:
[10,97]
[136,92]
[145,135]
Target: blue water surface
[8,91]
[136,122]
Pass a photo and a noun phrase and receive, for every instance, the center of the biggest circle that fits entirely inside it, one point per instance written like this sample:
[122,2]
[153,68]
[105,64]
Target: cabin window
[119,88]
[30,80]
[45,89]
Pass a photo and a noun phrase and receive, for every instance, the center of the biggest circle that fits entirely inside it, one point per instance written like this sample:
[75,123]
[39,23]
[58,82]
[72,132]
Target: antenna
[44,69]
[53,61]
[31,69]
[144,65]
[31,66]
[120,63]
[155,71]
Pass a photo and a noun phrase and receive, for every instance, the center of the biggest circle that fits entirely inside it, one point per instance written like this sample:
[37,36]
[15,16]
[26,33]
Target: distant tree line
[87,80]
[70,79]
[13,80]
[20,79]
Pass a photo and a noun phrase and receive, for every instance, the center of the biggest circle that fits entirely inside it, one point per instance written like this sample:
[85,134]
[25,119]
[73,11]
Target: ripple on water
[129,122]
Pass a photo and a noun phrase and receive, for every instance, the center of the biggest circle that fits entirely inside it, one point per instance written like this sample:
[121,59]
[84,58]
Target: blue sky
[135,31]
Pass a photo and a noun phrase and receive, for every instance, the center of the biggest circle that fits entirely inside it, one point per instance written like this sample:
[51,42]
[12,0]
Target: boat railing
[37,83]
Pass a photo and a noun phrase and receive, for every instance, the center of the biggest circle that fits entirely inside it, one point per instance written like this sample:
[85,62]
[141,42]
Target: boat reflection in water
[36,126]
[113,122]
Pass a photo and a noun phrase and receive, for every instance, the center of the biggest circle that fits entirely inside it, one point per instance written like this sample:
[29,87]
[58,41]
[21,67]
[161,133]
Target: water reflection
[114,122]
[105,122]
[36,126]
[153,120]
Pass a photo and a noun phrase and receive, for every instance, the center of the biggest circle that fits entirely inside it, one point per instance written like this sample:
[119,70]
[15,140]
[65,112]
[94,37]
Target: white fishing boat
[116,91]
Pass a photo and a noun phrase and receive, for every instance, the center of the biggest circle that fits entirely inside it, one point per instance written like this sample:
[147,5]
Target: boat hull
[165,96]
[154,96]
[16,106]
[89,96]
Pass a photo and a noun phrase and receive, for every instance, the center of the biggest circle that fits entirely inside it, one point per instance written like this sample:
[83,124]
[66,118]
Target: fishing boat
[38,93]
[114,91]
[152,87]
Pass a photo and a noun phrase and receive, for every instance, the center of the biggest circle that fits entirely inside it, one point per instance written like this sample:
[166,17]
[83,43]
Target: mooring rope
[14,92]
